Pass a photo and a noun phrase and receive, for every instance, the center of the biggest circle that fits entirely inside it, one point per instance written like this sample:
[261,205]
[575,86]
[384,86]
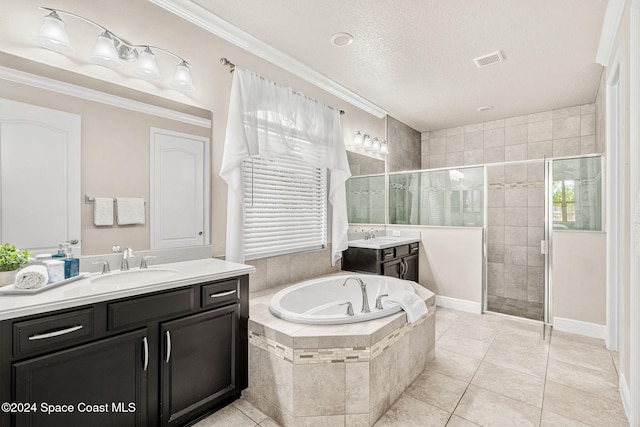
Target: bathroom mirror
[361,164]
[115,138]
[365,189]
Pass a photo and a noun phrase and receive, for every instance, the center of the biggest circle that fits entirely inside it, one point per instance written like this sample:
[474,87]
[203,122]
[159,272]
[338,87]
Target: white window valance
[271,121]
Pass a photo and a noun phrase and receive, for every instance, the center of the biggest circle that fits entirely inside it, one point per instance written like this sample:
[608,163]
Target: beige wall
[144,22]
[450,261]
[579,276]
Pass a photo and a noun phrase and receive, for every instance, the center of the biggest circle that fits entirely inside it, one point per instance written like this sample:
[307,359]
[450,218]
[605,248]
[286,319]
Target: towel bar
[90,199]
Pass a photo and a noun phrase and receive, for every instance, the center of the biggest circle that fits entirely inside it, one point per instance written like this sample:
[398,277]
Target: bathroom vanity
[104,351]
[395,257]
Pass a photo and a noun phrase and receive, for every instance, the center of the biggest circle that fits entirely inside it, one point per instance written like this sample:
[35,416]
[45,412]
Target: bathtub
[323,301]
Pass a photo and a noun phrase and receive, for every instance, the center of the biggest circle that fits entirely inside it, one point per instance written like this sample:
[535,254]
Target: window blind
[286,205]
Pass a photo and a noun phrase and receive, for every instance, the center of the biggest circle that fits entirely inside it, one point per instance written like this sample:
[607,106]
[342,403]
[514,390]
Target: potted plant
[11,259]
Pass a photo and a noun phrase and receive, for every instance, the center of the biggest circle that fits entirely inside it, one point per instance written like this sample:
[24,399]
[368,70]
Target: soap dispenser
[71,264]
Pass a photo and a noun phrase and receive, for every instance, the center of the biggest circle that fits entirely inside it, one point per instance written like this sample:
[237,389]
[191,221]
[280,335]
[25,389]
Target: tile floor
[493,370]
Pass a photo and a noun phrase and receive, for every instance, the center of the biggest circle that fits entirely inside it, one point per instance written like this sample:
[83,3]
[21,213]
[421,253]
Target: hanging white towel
[32,277]
[411,303]
[130,210]
[103,211]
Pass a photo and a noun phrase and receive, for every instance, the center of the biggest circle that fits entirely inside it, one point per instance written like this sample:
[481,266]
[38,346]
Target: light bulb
[53,35]
[104,52]
[357,140]
[147,67]
[182,78]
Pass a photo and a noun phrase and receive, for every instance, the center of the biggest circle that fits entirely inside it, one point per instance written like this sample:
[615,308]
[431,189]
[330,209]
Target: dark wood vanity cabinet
[160,359]
[398,261]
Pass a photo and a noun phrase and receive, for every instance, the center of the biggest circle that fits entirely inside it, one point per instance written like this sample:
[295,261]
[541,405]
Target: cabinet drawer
[402,250]
[141,310]
[388,253]
[219,293]
[51,332]
[414,248]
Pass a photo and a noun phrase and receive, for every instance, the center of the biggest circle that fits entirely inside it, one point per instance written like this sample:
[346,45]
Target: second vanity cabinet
[160,359]
[399,261]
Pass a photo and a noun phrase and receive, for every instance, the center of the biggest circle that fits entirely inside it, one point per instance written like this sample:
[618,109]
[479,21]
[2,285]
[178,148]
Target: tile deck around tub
[327,373]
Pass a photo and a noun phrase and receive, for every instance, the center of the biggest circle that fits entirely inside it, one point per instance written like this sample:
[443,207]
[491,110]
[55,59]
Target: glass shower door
[515,282]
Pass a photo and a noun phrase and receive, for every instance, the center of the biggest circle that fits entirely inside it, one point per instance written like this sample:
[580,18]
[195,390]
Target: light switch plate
[395,233]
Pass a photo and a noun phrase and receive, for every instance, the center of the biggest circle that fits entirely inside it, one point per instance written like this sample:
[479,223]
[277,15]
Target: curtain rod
[232,66]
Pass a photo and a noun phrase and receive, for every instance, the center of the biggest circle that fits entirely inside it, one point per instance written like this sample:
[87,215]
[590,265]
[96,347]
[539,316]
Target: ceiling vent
[489,59]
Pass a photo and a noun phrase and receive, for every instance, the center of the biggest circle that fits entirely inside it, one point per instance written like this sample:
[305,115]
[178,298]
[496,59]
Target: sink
[134,277]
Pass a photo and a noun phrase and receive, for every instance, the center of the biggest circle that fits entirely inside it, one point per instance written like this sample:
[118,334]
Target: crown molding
[610,25]
[203,18]
[58,86]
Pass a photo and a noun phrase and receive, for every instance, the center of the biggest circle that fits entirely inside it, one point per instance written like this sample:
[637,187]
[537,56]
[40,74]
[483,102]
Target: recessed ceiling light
[341,39]
[485,108]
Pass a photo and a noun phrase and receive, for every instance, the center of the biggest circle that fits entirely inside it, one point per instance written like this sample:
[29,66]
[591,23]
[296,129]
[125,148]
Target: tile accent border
[335,355]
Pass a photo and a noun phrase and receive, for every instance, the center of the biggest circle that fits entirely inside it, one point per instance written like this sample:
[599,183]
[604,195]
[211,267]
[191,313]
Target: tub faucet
[363,288]
[126,254]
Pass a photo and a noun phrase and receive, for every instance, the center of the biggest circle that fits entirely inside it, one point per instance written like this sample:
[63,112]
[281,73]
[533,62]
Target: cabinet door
[105,383]
[392,268]
[411,267]
[198,363]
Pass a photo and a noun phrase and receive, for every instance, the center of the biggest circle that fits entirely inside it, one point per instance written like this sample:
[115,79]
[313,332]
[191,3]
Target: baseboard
[459,304]
[579,327]
[625,396]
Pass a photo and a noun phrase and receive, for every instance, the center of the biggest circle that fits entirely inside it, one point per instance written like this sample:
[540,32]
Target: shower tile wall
[404,147]
[564,132]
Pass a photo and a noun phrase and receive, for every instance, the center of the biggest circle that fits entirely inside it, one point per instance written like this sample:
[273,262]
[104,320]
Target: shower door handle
[544,247]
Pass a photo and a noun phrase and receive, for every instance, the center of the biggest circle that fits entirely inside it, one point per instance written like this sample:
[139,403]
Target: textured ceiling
[414,58]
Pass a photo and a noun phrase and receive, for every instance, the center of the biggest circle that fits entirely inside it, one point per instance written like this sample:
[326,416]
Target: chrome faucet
[379,301]
[105,266]
[126,254]
[363,288]
[370,233]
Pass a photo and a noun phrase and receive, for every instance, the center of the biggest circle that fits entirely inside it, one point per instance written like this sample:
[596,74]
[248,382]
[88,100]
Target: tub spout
[363,288]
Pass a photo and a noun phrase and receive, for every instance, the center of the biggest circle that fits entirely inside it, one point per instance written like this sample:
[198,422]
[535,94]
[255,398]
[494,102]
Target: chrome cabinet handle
[403,268]
[55,333]
[167,335]
[146,353]
[222,294]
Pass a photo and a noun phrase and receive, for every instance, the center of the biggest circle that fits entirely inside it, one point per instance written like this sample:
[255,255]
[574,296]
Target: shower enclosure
[527,202]
[519,204]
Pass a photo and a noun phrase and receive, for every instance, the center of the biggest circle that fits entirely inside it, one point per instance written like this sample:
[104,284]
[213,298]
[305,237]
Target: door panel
[39,177]
[179,188]
[198,366]
[108,372]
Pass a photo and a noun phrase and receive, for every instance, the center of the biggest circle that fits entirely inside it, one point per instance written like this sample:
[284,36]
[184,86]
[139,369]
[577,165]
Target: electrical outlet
[396,233]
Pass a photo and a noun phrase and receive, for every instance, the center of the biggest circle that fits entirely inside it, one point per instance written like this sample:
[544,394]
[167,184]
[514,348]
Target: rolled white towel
[32,277]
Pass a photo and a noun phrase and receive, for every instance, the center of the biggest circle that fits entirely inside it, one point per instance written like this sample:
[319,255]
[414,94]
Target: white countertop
[84,291]
[383,241]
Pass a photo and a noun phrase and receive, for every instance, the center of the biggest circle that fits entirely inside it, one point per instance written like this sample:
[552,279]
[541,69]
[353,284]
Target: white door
[39,177]
[179,190]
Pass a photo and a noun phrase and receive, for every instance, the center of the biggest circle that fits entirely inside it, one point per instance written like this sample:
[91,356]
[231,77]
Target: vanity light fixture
[376,145]
[111,49]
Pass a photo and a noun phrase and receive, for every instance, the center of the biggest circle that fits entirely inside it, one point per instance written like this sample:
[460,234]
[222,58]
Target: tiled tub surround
[334,375]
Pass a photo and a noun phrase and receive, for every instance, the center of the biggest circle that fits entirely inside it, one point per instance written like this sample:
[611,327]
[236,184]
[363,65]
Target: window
[286,206]
[577,194]
[564,201]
